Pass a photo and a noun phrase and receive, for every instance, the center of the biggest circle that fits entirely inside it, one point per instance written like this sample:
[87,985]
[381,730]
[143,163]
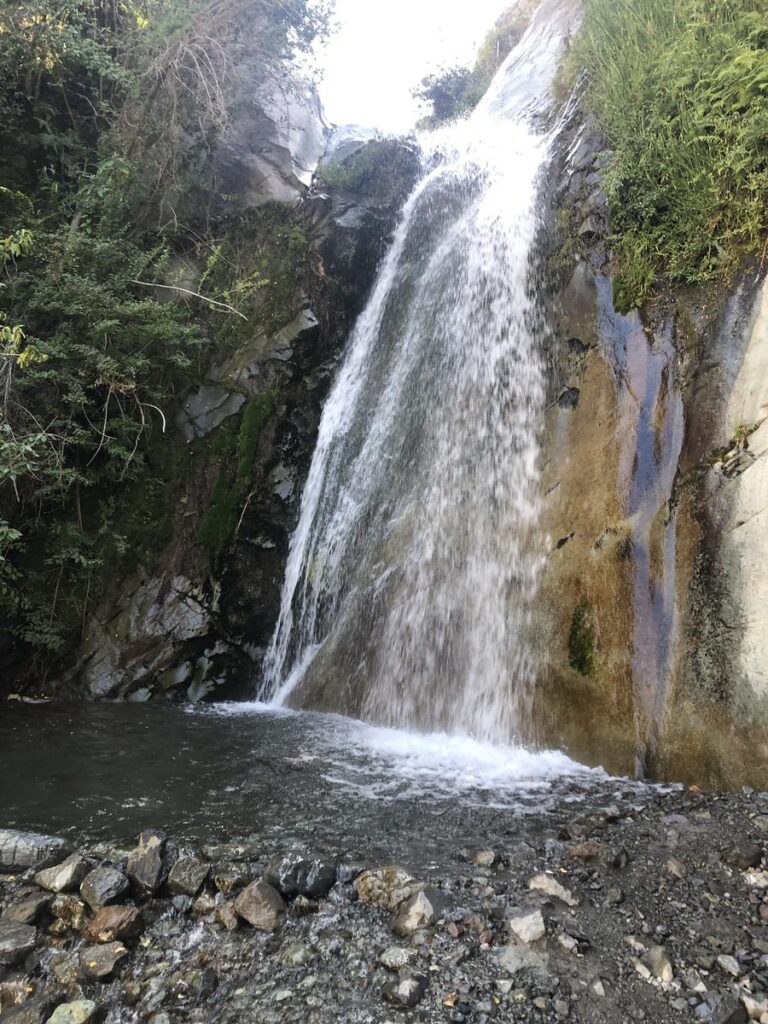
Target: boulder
[261,906]
[102,886]
[115,923]
[64,877]
[385,887]
[528,927]
[33,1011]
[70,912]
[297,875]
[406,991]
[549,886]
[79,1012]
[187,875]
[19,850]
[145,864]
[419,911]
[97,962]
[16,941]
[27,909]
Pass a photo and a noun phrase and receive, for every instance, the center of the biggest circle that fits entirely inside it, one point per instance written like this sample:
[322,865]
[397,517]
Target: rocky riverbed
[652,907]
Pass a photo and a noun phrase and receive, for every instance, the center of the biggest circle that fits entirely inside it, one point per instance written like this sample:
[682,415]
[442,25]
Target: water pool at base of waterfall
[107,771]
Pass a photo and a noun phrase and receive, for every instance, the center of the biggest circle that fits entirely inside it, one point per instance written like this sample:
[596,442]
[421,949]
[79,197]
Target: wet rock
[756,1006]
[19,850]
[16,941]
[115,924]
[227,916]
[145,864]
[419,911]
[102,886]
[297,875]
[261,906]
[568,398]
[97,962]
[660,964]
[528,927]
[33,1011]
[69,912]
[80,1012]
[743,856]
[549,886]
[188,875]
[64,877]
[297,955]
[302,906]
[385,887]
[232,877]
[484,858]
[721,1008]
[204,904]
[407,991]
[614,896]
[28,909]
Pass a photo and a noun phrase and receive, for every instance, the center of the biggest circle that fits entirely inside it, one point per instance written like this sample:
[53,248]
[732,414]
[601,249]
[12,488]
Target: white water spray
[411,573]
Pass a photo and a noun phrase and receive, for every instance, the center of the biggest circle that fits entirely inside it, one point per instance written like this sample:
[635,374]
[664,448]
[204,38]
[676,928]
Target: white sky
[385,47]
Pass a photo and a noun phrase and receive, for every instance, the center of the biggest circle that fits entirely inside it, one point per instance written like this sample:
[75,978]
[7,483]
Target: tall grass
[680,88]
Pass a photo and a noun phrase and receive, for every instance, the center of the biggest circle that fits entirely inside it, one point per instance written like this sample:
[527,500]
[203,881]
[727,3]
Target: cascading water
[410,576]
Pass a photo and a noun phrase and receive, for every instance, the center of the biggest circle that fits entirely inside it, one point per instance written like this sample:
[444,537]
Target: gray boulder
[187,875]
[64,877]
[102,886]
[297,875]
[16,941]
[145,864]
[30,850]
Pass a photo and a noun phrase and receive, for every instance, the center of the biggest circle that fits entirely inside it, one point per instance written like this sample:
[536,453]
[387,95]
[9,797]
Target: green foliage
[581,641]
[228,498]
[104,109]
[680,91]
[454,92]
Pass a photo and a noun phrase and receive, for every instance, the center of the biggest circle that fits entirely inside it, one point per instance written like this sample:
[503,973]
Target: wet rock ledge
[655,913]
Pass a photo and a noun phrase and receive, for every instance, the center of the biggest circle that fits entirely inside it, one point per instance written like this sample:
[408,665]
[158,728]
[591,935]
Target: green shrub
[679,88]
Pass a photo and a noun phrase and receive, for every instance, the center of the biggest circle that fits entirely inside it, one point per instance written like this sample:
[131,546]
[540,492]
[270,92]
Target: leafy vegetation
[108,113]
[456,91]
[680,91]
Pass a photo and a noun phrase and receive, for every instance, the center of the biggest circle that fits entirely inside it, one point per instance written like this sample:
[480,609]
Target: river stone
[70,911]
[396,957]
[227,916]
[16,941]
[99,961]
[528,927]
[385,887]
[102,886]
[27,909]
[33,1011]
[660,964]
[406,991]
[115,923]
[187,876]
[297,875]
[743,856]
[145,863]
[63,877]
[30,850]
[549,886]
[80,1012]
[419,911]
[230,877]
[261,906]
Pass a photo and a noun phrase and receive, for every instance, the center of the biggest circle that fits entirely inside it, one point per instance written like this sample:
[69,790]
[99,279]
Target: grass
[679,88]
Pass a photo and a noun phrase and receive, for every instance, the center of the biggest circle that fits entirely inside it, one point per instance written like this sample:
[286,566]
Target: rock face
[650,630]
[193,623]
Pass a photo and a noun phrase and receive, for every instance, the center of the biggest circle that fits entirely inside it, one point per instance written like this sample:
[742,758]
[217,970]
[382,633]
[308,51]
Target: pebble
[551,887]
[528,927]
[385,887]
[417,912]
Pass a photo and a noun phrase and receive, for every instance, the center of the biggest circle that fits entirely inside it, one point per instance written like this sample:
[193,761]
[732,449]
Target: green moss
[679,89]
[581,641]
[228,496]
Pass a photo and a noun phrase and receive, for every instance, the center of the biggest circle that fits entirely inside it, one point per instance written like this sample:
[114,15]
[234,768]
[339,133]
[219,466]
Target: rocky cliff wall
[192,621]
[652,612]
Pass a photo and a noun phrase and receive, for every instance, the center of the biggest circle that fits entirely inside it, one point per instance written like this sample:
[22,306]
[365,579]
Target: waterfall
[412,571]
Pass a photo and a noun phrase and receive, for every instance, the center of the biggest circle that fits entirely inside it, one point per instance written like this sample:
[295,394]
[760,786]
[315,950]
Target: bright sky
[385,47]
